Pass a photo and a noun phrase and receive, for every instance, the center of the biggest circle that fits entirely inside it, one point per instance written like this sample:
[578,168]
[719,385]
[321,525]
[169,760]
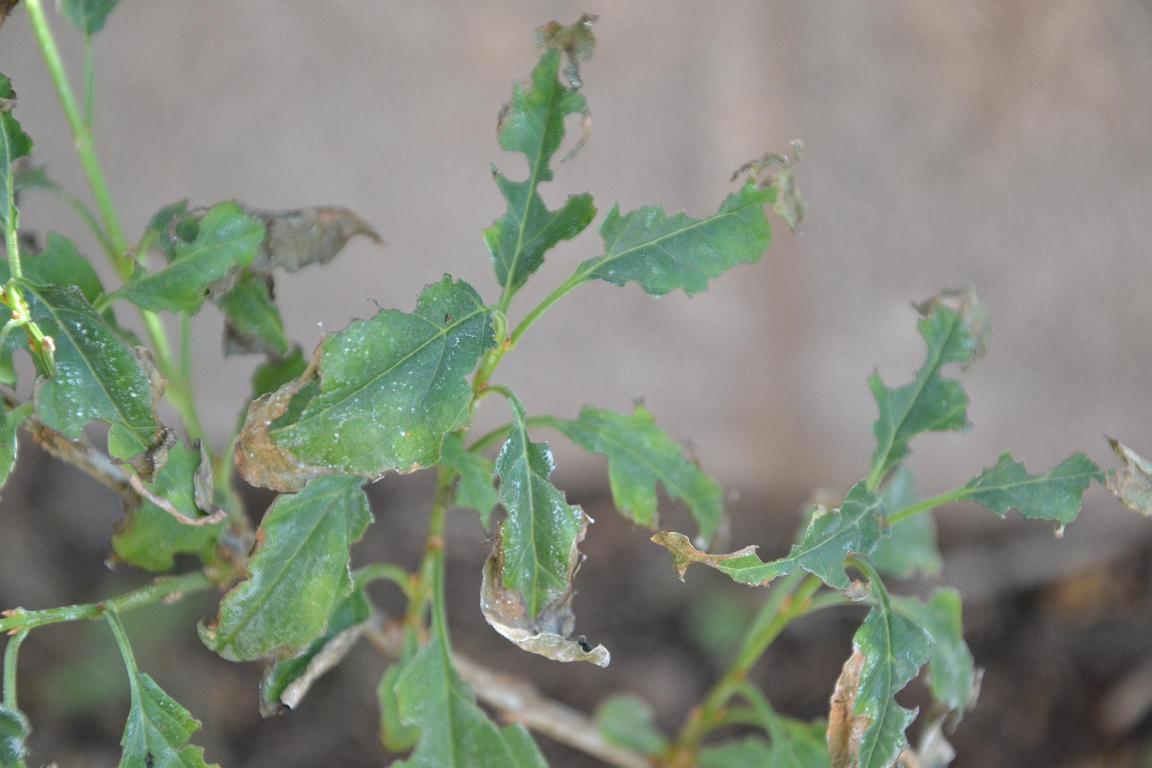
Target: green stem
[912,510]
[383,572]
[429,580]
[129,657]
[89,82]
[10,655]
[161,589]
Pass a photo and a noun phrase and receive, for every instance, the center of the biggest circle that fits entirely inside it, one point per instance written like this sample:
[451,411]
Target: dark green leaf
[475,490]
[149,537]
[389,389]
[9,427]
[287,682]
[951,670]
[640,454]
[1056,495]
[14,732]
[1132,483]
[88,15]
[297,574]
[158,730]
[626,721]
[454,732]
[663,253]
[911,545]
[274,374]
[169,227]
[14,144]
[855,528]
[226,241]
[60,264]
[533,124]
[252,323]
[955,329]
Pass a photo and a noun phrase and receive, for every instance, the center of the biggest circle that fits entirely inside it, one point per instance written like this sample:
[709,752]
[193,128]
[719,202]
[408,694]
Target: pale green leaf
[14,732]
[252,323]
[476,489]
[158,730]
[454,732]
[831,536]
[955,329]
[910,546]
[389,389]
[150,538]
[227,239]
[794,745]
[663,253]
[750,751]
[88,15]
[1132,483]
[297,574]
[1056,495]
[626,721]
[640,455]
[951,670]
[395,736]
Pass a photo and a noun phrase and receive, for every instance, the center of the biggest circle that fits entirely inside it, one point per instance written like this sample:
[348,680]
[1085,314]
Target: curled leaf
[298,238]
[1132,483]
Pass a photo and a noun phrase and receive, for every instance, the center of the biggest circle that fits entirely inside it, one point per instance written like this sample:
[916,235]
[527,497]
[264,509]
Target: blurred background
[999,145]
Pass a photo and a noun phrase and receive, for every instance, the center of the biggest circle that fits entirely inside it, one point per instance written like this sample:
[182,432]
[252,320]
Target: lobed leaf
[951,670]
[158,729]
[662,253]
[1132,483]
[475,490]
[389,389]
[252,323]
[150,538]
[14,731]
[909,547]
[533,124]
[640,455]
[955,330]
[831,536]
[88,15]
[454,732]
[626,721]
[227,240]
[1056,495]
[297,574]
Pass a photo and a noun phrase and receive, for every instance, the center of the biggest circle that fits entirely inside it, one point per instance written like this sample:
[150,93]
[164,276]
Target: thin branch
[518,702]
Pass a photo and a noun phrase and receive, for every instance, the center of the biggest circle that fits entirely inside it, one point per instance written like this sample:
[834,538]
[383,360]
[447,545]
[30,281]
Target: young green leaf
[389,389]
[955,329]
[227,240]
[475,490]
[662,253]
[910,546]
[297,574]
[14,731]
[454,732]
[14,144]
[150,538]
[626,721]
[395,736]
[252,323]
[865,725]
[640,454]
[287,682]
[9,427]
[88,15]
[533,124]
[1056,495]
[951,671]
[832,535]
[1132,483]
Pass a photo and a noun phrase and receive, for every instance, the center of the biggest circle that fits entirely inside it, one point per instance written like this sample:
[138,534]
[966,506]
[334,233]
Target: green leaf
[297,574]
[9,428]
[832,535]
[911,545]
[273,374]
[158,729]
[395,736]
[475,490]
[390,388]
[14,144]
[252,323]
[866,726]
[662,253]
[640,454]
[1132,483]
[88,15]
[626,721]
[955,329]
[454,732]
[738,754]
[533,124]
[14,731]
[149,537]
[794,745]
[226,241]
[287,682]
[951,672]
[537,539]
[60,263]
[1056,495]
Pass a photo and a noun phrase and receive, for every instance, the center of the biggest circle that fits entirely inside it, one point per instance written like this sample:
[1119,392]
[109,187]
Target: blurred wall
[1000,145]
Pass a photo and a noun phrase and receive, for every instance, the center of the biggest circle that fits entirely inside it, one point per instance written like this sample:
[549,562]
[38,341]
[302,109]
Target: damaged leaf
[831,536]
[1132,483]
[296,575]
[1056,495]
[640,455]
[298,238]
[951,671]
[389,390]
[955,329]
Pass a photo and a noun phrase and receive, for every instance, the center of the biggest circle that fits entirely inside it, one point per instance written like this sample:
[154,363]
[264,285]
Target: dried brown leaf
[844,728]
[304,236]
[1132,483]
